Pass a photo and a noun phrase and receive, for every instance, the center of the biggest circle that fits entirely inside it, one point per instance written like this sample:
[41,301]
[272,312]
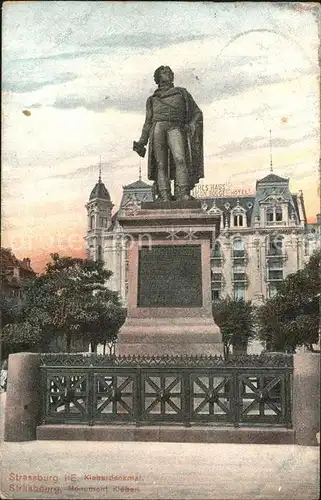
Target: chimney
[26,261]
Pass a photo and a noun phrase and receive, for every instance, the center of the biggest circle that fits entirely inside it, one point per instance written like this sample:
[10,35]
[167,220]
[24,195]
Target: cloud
[36,105]
[229,78]
[249,143]
[144,39]
[80,173]
[224,70]
[29,78]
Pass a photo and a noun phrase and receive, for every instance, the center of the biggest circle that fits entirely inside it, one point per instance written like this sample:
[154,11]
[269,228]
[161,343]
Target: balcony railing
[276,254]
[216,260]
[240,279]
[240,260]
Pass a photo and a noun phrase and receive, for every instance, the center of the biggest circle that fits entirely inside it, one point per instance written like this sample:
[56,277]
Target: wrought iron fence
[244,390]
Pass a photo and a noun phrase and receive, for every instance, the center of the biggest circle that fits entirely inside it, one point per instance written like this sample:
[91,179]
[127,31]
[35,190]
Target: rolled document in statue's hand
[139,148]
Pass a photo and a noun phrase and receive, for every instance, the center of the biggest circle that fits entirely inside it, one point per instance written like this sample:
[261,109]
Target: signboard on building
[219,190]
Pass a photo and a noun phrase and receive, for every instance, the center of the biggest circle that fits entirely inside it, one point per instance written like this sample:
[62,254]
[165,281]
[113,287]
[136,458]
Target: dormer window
[274,215]
[278,214]
[269,215]
[238,220]
[238,216]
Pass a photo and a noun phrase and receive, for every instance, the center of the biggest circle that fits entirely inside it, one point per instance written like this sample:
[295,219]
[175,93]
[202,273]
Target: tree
[235,317]
[292,317]
[101,318]
[69,300]
[22,336]
[11,310]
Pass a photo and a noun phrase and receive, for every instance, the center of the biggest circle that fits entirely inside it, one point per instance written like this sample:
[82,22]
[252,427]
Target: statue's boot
[183,193]
[165,195]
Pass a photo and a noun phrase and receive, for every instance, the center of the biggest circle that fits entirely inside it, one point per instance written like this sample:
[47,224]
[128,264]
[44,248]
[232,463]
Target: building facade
[14,273]
[263,237]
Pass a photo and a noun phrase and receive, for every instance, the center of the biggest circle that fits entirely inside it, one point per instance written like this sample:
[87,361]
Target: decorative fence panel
[90,389]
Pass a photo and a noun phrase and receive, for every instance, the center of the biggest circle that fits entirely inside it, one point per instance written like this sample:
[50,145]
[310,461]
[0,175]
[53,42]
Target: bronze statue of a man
[174,129]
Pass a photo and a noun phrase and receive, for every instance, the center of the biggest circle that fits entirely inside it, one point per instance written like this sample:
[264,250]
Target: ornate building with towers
[105,239]
[264,236]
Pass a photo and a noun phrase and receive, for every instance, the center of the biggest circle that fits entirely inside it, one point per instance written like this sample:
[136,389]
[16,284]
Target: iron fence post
[236,400]
[138,395]
[288,398]
[45,395]
[90,403]
[186,397]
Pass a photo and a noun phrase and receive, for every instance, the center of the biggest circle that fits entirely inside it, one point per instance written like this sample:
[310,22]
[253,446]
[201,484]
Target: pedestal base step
[169,349]
[167,433]
[169,336]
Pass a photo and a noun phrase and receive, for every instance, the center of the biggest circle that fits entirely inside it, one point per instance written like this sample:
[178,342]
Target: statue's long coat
[193,144]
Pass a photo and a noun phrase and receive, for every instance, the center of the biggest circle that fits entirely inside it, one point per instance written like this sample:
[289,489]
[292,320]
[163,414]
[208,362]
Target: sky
[75,79]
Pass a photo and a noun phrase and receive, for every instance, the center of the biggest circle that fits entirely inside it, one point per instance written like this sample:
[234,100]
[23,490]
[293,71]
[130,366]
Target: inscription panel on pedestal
[170,276]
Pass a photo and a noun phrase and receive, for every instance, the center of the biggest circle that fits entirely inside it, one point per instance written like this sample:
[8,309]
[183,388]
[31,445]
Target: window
[238,249]
[278,214]
[216,253]
[275,274]
[216,257]
[99,253]
[92,222]
[103,221]
[239,273]
[275,245]
[239,291]
[237,276]
[216,294]
[269,215]
[238,220]
[217,284]
[216,277]
[273,289]
[274,214]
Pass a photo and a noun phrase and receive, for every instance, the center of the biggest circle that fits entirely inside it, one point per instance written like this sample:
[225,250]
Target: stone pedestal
[306,398]
[22,410]
[169,281]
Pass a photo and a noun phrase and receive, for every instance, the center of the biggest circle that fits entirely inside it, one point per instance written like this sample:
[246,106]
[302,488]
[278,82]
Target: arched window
[278,214]
[275,245]
[238,220]
[103,222]
[239,292]
[274,214]
[92,221]
[217,250]
[269,215]
[238,248]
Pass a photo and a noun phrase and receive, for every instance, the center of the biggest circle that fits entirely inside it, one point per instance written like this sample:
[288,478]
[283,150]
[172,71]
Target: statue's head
[163,73]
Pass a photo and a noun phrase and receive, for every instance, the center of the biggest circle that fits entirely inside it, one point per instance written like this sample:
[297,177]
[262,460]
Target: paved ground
[68,469]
